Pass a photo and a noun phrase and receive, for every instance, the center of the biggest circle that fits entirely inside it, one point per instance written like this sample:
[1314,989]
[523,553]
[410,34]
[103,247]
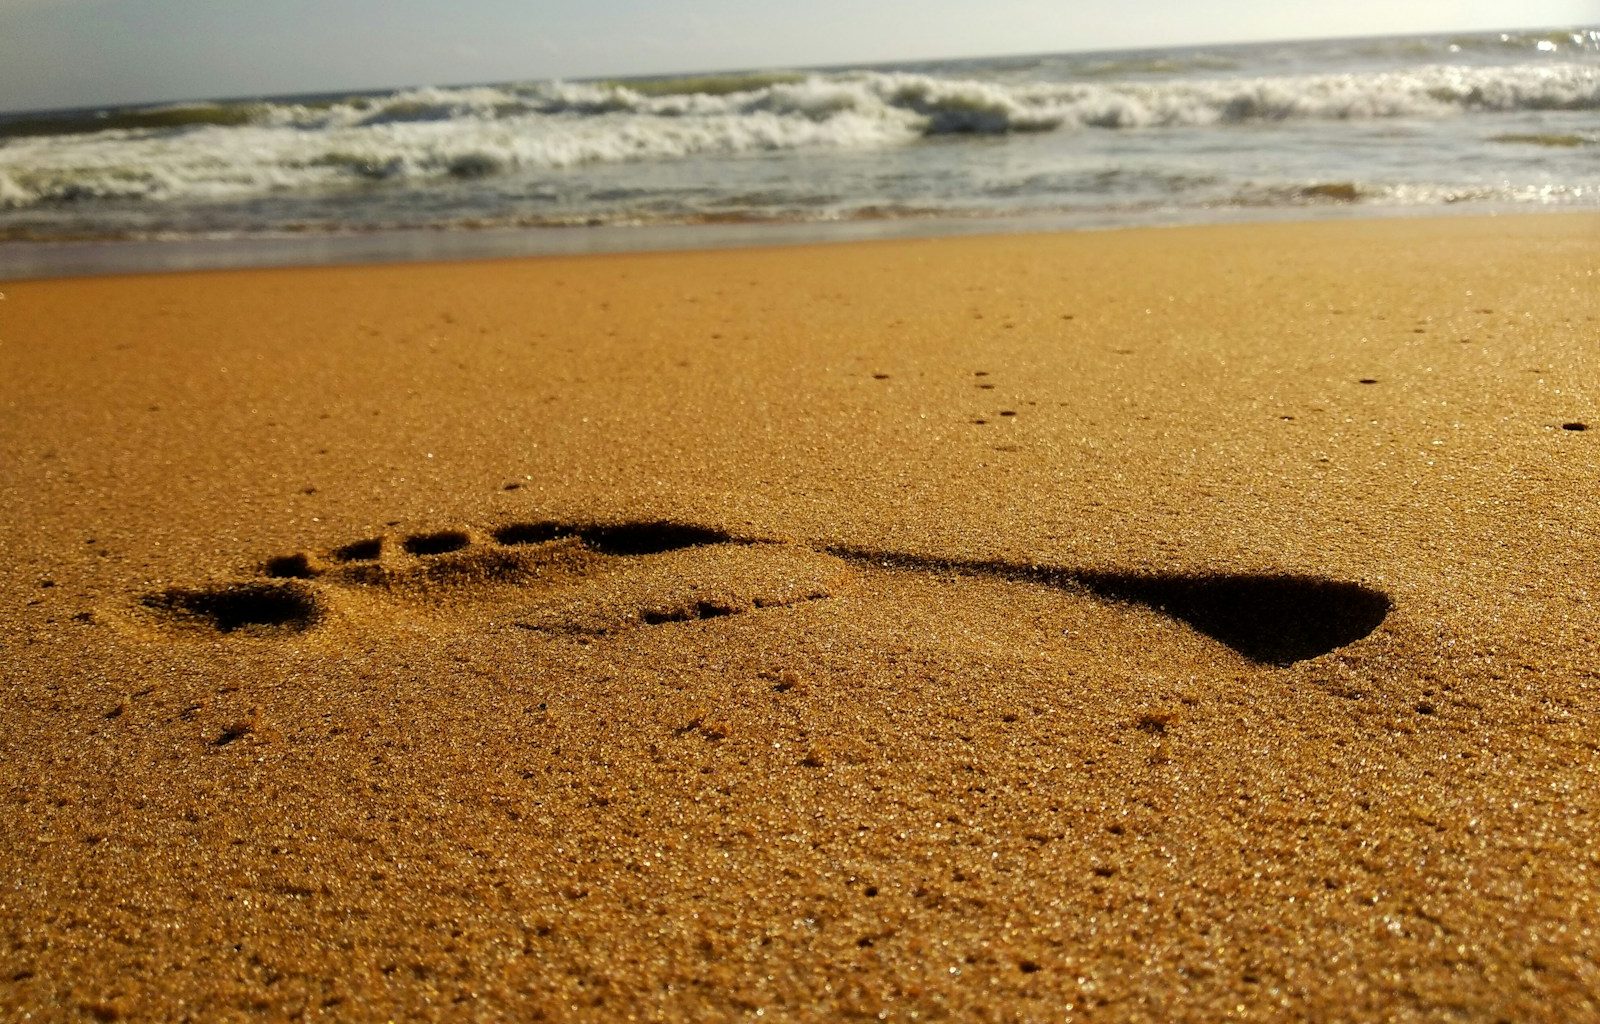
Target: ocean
[1410,124]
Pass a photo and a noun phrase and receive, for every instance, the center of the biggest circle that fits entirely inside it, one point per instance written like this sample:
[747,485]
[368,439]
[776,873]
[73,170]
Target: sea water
[1199,133]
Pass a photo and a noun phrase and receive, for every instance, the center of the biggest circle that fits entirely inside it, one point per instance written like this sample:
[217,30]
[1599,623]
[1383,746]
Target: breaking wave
[222,151]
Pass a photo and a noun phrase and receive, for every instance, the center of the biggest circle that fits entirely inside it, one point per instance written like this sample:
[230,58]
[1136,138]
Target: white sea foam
[421,134]
[13,194]
[224,162]
[1264,125]
[934,105]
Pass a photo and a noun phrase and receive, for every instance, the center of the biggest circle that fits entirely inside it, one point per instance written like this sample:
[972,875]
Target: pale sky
[64,53]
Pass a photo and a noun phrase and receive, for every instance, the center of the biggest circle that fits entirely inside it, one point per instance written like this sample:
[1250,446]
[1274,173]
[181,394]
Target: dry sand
[1189,624]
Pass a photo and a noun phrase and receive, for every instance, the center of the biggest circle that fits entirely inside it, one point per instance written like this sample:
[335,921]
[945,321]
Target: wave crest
[235,150]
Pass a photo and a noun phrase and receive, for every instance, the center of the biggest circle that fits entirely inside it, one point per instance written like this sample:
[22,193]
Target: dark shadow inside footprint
[295,567]
[239,606]
[1270,619]
[1274,620]
[687,613]
[439,543]
[650,538]
[635,538]
[359,551]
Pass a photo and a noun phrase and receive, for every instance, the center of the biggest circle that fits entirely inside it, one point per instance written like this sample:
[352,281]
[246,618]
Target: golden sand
[1190,624]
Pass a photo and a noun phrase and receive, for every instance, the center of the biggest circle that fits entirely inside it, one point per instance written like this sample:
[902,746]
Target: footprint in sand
[599,579]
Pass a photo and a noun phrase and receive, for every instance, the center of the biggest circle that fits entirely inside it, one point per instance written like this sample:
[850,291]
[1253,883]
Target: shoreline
[47,259]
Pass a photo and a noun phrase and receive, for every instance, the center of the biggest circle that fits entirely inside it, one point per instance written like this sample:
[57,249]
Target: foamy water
[1412,122]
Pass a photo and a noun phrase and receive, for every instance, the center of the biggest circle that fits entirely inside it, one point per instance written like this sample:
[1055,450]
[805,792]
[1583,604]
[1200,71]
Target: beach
[1160,624]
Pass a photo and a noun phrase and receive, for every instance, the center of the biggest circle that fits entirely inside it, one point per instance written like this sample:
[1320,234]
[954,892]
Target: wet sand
[1187,624]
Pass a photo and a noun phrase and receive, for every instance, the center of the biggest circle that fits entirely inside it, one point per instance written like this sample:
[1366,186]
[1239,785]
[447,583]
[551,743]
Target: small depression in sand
[367,550]
[620,539]
[229,608]
[440,543]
